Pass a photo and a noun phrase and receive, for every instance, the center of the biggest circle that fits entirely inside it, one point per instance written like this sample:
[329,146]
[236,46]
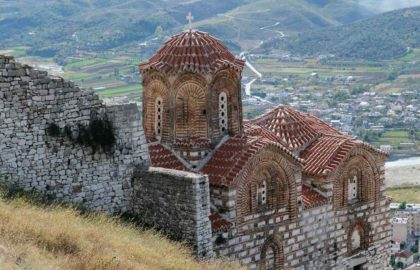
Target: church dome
[193,51]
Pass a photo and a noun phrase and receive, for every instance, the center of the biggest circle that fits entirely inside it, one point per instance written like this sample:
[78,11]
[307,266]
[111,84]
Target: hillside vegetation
[383,36]
[53,237]
[54,28]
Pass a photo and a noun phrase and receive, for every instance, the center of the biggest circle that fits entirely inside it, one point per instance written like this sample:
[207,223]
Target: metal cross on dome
[189,19]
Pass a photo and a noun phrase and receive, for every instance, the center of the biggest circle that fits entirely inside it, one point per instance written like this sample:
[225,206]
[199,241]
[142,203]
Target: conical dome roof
[193,51]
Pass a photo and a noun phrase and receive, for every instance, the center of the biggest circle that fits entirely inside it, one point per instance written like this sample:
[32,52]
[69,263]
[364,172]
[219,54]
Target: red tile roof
[325,154]
[193,51]
[288,125]
[218,223]
[160,156]
[312,198]
[404,254]
[321,146]
[231,158]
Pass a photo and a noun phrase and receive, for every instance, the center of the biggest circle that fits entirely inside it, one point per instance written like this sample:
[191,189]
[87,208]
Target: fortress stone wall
[33,159]
[178,203]
[30,101]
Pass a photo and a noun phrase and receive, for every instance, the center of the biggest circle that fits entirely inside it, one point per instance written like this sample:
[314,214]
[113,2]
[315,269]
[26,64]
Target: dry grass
[409,194]
[42,238]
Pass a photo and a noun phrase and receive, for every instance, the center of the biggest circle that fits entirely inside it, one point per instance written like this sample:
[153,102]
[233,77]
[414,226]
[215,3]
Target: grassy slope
[409,194]
[45,238]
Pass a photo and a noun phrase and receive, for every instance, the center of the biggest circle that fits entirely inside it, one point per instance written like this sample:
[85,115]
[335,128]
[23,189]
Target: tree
[400,265]
[403,205]
[414,249]
[392,75]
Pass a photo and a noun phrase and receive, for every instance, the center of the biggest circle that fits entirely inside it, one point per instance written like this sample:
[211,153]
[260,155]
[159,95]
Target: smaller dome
[193,51]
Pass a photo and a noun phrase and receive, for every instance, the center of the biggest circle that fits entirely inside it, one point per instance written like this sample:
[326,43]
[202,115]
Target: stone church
[287,191]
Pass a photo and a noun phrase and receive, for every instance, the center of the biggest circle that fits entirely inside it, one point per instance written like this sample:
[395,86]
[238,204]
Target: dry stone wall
[178,203]
[30,101]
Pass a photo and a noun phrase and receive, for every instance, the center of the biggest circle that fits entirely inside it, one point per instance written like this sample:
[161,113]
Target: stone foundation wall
[318,240]
[30,101]
[176,202]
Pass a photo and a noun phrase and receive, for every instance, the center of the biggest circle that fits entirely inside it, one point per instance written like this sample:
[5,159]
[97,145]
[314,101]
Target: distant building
[399,229]
[404,256]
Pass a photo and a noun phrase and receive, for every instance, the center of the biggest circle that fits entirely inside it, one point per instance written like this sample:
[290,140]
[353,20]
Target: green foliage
[369,135]
[392,75]
[384,36]
[341,96]
[402,207]
[14,191]
[358,90]
[400,265]
[414,249]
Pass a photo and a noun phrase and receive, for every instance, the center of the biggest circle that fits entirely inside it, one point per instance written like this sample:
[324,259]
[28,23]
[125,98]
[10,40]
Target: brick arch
[363,162]
[283,184]
[364,228]
[155,76]
[190,110]
[226,81]
[275,258]
[156,89]
[186,78]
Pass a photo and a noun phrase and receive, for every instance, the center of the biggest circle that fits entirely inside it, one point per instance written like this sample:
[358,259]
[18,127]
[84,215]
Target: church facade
[287,191]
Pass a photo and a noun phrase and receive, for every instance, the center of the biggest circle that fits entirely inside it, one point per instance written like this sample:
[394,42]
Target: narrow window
[158,117]
[262,193]
[353,185]
[270,259]
[356,239]
[223,120]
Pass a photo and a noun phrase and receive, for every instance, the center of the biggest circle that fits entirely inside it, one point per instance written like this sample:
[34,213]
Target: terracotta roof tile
[321,146]
[230,159]
[404,254]
[160,156]
[326,153]
[218,223]
[192,51]
[312,198]
[289,125]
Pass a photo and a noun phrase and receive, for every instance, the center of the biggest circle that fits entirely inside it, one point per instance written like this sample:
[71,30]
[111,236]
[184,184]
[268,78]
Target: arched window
[158,117]
[356,239]
[223,119]
[262,193]
[353,189]
[270,259]
[272,256]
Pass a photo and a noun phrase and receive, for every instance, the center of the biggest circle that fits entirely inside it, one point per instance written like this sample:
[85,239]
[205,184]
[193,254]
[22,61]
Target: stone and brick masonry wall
[178,203]
[30,101]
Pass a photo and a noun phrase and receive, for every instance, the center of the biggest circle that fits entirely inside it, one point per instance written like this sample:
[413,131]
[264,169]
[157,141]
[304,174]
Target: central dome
[192,51]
